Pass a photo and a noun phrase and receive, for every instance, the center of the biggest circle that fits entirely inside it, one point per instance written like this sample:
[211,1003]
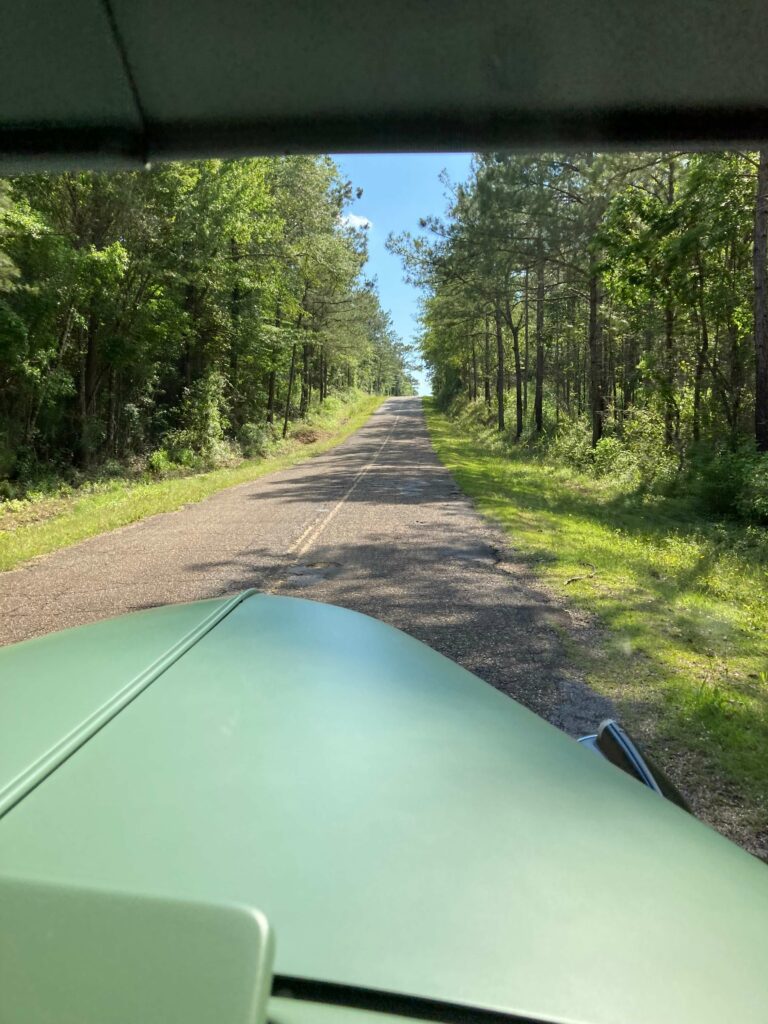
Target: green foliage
[58,515]
[572,445]
[159,463]
[732,481]
[609,457]
[601,305]
[643,434]
[752,501]
[682,602]
[203,419]
[161,312]
[255,439]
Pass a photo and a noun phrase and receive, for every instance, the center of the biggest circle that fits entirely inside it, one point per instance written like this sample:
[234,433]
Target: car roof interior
[120,83]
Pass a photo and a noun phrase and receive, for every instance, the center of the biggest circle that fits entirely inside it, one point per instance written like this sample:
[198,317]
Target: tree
[639,278]
[179,308]
[761,303]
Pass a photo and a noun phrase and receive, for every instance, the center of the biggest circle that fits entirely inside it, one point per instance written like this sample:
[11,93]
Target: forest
[611,307]
[595,330]
[179,317]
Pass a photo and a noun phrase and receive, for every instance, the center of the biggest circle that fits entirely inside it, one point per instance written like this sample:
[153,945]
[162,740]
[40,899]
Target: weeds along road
[376,524]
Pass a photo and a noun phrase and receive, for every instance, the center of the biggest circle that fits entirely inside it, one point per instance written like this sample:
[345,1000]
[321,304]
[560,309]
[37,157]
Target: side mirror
[616,746]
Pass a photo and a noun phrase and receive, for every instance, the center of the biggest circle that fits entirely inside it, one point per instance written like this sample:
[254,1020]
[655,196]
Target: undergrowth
[60,515]
[682,594]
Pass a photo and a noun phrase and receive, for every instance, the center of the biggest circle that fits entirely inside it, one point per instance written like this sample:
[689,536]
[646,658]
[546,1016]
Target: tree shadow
[454,592]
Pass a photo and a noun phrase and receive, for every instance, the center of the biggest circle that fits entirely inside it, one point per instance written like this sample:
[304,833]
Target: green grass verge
[120,502]
[683,602]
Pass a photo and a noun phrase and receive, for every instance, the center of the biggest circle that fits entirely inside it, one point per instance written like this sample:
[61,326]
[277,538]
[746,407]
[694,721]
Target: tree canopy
[603,288]
[192,306]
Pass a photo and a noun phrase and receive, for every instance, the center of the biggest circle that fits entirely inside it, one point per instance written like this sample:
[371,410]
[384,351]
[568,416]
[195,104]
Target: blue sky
[398,189]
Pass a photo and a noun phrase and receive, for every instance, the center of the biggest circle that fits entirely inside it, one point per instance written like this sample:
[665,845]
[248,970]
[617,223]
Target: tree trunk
[487,364]
[538,402]
[473,389]
[271,397]
[760,253]
[525,321]
[628,375]
[187,357]
[272,379]
[701,354]
[670,409]
[499,368]
[291,375]
[111,414]
[515,329]
[88,386]
[595,345]
[671,416]
[518,383]
[306,383]
[63,344]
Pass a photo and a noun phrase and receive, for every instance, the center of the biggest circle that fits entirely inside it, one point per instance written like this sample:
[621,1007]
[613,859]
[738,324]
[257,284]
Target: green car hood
[57,691]
[401,825]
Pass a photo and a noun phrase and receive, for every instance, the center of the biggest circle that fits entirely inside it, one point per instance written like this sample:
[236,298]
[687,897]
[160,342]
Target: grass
[50,523]
[682,601]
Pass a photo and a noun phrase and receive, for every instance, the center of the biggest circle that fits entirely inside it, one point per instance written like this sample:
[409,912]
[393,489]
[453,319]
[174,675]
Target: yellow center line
[303,543]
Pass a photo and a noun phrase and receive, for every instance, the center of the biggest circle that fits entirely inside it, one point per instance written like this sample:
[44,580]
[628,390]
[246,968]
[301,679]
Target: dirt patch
[33,512]
[307,435]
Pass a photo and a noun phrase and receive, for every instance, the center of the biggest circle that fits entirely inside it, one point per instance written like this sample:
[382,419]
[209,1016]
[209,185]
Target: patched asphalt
[377,524]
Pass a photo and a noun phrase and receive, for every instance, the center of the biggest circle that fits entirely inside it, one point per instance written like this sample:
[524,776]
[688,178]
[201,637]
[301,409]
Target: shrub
[611,458]
[656,465]
[752,500]
[638,459]
[203,419]
[334,404]
[185,457]
[733,481]
[718,481]
[447,388]
[255,439]
[573,445]
[8,453]
[8,491]
[159,463]
[181,446]
[113,468]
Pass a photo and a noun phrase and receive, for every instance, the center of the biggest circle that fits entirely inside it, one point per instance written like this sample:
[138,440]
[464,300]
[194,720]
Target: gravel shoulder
[377,524]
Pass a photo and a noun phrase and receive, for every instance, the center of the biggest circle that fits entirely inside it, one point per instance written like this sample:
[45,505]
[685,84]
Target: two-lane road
[376,524]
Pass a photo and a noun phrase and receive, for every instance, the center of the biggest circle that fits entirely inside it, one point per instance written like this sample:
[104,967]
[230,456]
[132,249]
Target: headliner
[122,82]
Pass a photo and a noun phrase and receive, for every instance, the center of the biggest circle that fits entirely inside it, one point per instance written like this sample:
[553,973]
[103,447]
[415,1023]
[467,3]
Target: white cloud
[354,220]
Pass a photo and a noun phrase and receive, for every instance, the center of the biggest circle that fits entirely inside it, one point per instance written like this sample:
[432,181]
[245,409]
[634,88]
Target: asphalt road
[376,524]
